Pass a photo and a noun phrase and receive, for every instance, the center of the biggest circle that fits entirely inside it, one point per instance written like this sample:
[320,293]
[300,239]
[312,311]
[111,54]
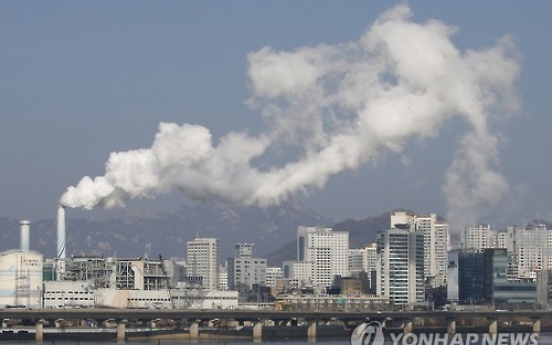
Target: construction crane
[168,279]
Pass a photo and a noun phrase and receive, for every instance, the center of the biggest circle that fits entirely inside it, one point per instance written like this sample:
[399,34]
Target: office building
[203,262]
[327,250]
[498,291]
[465,277]
[298,274]
[273,274]
[245,271]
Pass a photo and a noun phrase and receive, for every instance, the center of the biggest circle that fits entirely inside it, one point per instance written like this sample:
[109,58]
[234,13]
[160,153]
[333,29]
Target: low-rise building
[69,294]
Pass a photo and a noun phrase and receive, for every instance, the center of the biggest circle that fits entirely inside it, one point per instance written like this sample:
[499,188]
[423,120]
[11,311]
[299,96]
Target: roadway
[175,314]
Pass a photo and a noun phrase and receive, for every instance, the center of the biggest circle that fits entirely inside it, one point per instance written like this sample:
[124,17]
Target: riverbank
[212,334]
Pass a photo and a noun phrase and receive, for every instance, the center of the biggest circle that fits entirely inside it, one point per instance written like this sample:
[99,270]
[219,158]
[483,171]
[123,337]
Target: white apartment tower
[357,261]
[436,243]
[436,246]
[328,251]
[203,261]
[371,256]
[532,248]
[400,264]
[478,237]
[363,260]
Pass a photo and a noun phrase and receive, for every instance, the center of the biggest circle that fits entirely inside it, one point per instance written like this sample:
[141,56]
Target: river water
[543,340]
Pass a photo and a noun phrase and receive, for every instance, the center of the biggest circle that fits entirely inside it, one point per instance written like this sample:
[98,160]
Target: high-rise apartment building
[529,246]
[478,237]
[436,246]
[436,243]
[328,251]
[203,261]
[532,244]
[357,261]
[371,256]
[363,259]
[400,264]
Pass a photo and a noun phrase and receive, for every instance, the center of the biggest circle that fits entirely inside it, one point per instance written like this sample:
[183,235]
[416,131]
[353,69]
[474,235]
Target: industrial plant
[27,280]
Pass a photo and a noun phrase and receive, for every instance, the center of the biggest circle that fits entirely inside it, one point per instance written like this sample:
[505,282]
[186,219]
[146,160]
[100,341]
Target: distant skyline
[463,135]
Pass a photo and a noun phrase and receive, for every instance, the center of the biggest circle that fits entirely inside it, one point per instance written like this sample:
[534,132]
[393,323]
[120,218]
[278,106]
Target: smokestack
[25,230]
[61,232]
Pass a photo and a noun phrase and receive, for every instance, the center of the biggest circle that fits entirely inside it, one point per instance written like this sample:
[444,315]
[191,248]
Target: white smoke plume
[342,105]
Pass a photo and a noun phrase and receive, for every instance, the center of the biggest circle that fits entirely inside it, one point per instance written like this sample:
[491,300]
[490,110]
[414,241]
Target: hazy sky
[355,107]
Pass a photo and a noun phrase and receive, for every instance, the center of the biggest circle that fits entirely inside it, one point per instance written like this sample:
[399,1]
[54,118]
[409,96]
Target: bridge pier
[258,332]
[383,322]
[493,325]
[451,326]
[121,331]
[39,331]
[311,332]
[194,331]
[407,326]
[536,325]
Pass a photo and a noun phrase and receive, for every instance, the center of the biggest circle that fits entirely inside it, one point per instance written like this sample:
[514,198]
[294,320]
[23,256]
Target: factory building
[69,294]
[167,299]
[26,280]
[20,279]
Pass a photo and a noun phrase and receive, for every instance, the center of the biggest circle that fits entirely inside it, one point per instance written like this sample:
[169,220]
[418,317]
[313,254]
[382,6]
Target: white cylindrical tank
[25,235]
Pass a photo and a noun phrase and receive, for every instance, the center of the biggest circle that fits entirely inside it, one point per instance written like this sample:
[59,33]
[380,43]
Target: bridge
[257,318]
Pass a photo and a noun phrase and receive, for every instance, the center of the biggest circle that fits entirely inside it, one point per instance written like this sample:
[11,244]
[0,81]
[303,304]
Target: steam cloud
[342,105]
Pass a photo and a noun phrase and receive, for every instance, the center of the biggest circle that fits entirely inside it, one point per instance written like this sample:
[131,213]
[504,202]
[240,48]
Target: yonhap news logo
[371,333]
[368,334]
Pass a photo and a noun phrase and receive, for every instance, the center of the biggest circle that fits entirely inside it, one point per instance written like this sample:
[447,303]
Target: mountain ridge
[134,235]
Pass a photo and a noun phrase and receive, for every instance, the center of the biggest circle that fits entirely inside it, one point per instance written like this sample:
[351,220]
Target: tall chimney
[61,232]
[25,230]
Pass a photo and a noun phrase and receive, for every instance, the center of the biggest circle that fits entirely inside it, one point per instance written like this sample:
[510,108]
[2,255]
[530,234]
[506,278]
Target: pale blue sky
[81,79]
